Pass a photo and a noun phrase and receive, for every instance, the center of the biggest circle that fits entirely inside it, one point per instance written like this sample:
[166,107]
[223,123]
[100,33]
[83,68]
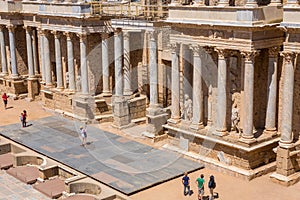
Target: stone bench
[6,160]
[26,174]
[52,188]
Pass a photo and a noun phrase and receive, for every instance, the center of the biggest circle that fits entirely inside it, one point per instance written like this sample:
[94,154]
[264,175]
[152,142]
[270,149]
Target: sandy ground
[228,187]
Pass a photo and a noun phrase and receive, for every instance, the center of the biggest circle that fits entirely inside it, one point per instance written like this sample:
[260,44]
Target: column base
[220,133]
[247,140]
[32,87]
[128,93]
[196,126]
[270,131]
[106,94]
[174,120]
[155,119]
[286,144]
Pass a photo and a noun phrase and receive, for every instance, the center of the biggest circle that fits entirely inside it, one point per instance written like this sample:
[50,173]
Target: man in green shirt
[200,182]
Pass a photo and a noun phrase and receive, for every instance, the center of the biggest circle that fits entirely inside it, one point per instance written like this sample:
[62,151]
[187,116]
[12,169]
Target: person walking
[186,184]
[24,122]
[4,98]
[21,119]
[211,186]
[200,181]
[83,135]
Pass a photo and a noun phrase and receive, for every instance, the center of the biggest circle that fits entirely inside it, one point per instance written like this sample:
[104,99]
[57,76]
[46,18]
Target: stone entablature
[225,16]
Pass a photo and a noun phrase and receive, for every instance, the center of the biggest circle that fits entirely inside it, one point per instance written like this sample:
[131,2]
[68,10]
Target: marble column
[43,70]
[127,65]
[71,70]
[118,63]
[59,77]
[48,71]
[3,52]
[223,3]
[83,65]
[34,51]
[248,135]
[175,116]
[153,71]
[272,91]
[251,3]
[221,128]
[287,100]
[12,48]
[198,112]
[105,65]
[29,52]
[187,72]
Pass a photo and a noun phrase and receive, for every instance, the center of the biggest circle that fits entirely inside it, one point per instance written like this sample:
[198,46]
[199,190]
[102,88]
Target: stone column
[12,47]
[175,117]
[34,51]
[198,113]
[247,135]
[223,3]
[105,66]
[42,35]
[272,91]
[118,64]
[83,65]
[287,100]
[251,3]
[29,52]
[3,52]
[221,128]
[59,77]
[48,71]
[209,51]
[153,71]
[187,72]
[71,70]
[127,65]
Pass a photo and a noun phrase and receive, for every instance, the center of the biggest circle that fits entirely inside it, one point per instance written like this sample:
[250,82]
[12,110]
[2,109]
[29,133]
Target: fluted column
[175,117]
[127,68]
[287,100]
[272,90]
[29,52]
[48,71]
[70,53]
[3,52]
[153,71]
[248,135]
[59,77]
[42,35]
[198,113]
[34,51]
[118,63]
[12,48]
[221,128]
[83,65]
[105,65]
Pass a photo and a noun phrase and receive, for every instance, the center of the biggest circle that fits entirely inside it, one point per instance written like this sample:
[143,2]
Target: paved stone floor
[13,189]
[123,164]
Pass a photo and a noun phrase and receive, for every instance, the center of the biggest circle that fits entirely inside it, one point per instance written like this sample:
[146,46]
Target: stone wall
[53,100]
[21,50]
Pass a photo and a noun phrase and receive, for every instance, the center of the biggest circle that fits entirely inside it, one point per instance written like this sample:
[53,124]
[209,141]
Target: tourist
[4,98]
[211,186]
[200,182]
[24,118]
[186,184]
[83,135]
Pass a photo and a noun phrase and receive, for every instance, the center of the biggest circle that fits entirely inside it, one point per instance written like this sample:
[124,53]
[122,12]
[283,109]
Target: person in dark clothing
[186,184]
[211,186]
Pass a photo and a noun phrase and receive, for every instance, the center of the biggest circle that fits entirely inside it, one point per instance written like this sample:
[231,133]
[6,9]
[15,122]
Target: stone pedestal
[84,107]
[33,88]
[156,117]
[287,162]
[121,113]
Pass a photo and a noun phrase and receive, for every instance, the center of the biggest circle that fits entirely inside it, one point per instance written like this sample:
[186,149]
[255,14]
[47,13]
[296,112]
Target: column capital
[249,55]
[126,35]
[27,28]
[117,31]
[104,36]
[273,51]
[174,47]
[56,34]
[153,35]
[195,49]
[69,35]
[288,56]
[82,37]
[10,27]
[209,49]
[222,53]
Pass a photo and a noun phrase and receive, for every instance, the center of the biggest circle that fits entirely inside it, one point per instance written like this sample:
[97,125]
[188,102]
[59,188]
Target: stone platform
[122,164]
